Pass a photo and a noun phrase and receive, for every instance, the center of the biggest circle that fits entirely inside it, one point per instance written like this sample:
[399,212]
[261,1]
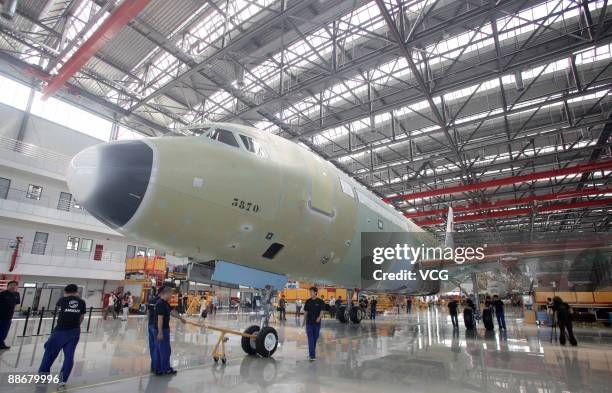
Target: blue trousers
[5,326]
[372,312]
[152,350]
[501,320]
[163,352]
[454,320]
[312,331]
[60,340]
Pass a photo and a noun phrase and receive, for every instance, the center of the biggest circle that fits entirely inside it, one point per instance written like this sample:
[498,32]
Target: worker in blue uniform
[66,334]
[153,298]
[163,311]
[9,298]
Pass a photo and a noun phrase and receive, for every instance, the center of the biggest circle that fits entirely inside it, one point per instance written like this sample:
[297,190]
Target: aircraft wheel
[356,314]
[341,314]
[249,345]
[266,342]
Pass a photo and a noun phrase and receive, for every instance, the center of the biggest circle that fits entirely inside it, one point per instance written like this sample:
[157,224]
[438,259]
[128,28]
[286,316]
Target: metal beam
[423,85]
[106,32]
[604,165]
[520,212]
[512,202]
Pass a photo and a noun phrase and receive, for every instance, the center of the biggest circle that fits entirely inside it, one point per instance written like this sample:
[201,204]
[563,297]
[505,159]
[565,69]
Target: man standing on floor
[66,334]
[312,319]
[282,308]
[453,307]
[499,312]
[9,298]
[153,298]
[373,305]
[162,342]
[215,303]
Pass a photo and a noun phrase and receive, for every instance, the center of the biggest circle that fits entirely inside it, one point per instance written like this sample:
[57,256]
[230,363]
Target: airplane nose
[110,179]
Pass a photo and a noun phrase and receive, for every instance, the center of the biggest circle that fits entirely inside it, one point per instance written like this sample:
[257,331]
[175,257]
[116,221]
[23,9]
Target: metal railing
[15,194]
[31,150]
[58,250]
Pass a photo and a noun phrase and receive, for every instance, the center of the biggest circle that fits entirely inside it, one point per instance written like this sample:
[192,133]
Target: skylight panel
[77,25]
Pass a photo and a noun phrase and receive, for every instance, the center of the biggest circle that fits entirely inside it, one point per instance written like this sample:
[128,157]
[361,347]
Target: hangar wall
[43,165]
[43,133]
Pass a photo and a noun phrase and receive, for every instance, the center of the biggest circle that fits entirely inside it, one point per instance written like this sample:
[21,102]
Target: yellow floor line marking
[135,377]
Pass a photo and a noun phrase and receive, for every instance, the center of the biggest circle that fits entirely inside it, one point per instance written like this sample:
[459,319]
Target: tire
[356,314]
[341,314]
[266,342]
[248,345]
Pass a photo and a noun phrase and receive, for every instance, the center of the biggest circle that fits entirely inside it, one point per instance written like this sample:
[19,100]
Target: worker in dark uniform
[312,319]
[564,320]
[498,304]
[9,298]
[373,305]
[66,334]
[453,308]
[282,308]
[163,312]
[153,298]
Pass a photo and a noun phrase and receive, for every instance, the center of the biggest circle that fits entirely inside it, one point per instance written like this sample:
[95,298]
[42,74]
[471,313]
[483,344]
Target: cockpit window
[224,136]
[252,145]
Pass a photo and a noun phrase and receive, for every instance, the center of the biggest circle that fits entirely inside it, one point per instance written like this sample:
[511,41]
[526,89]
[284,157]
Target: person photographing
[312,319]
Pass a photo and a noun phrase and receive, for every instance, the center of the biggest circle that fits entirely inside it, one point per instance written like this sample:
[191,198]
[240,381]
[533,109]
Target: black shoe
[4,347]
[170,372]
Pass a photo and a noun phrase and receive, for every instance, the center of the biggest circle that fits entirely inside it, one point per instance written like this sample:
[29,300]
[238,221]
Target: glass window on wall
[86,245]
[5,184]
[68,115]
[34,192]
[130,252]
[64,201]
[142,252]
[151,252]
[14,93]
[72,243]
[40,243]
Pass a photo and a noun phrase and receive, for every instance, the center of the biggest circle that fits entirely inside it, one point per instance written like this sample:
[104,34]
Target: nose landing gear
[262,340]
[350,312]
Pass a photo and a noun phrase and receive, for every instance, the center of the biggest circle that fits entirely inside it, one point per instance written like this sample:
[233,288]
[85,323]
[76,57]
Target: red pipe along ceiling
[512,202]
[519,212]
[106,32]
[597,166]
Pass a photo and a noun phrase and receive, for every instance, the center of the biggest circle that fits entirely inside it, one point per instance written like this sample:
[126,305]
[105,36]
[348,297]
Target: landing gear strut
[262,340]
[350,312]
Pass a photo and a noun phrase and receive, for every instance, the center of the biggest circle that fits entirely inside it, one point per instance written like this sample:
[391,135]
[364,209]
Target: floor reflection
[420,352]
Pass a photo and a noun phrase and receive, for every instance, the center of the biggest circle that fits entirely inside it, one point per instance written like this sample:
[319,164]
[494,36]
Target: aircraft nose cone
[110,179]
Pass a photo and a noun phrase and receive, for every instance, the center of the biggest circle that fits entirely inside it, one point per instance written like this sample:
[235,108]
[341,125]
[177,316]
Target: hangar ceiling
[424,102]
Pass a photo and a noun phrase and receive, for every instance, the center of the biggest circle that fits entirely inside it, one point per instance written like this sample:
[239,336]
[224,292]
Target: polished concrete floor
[405,353]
